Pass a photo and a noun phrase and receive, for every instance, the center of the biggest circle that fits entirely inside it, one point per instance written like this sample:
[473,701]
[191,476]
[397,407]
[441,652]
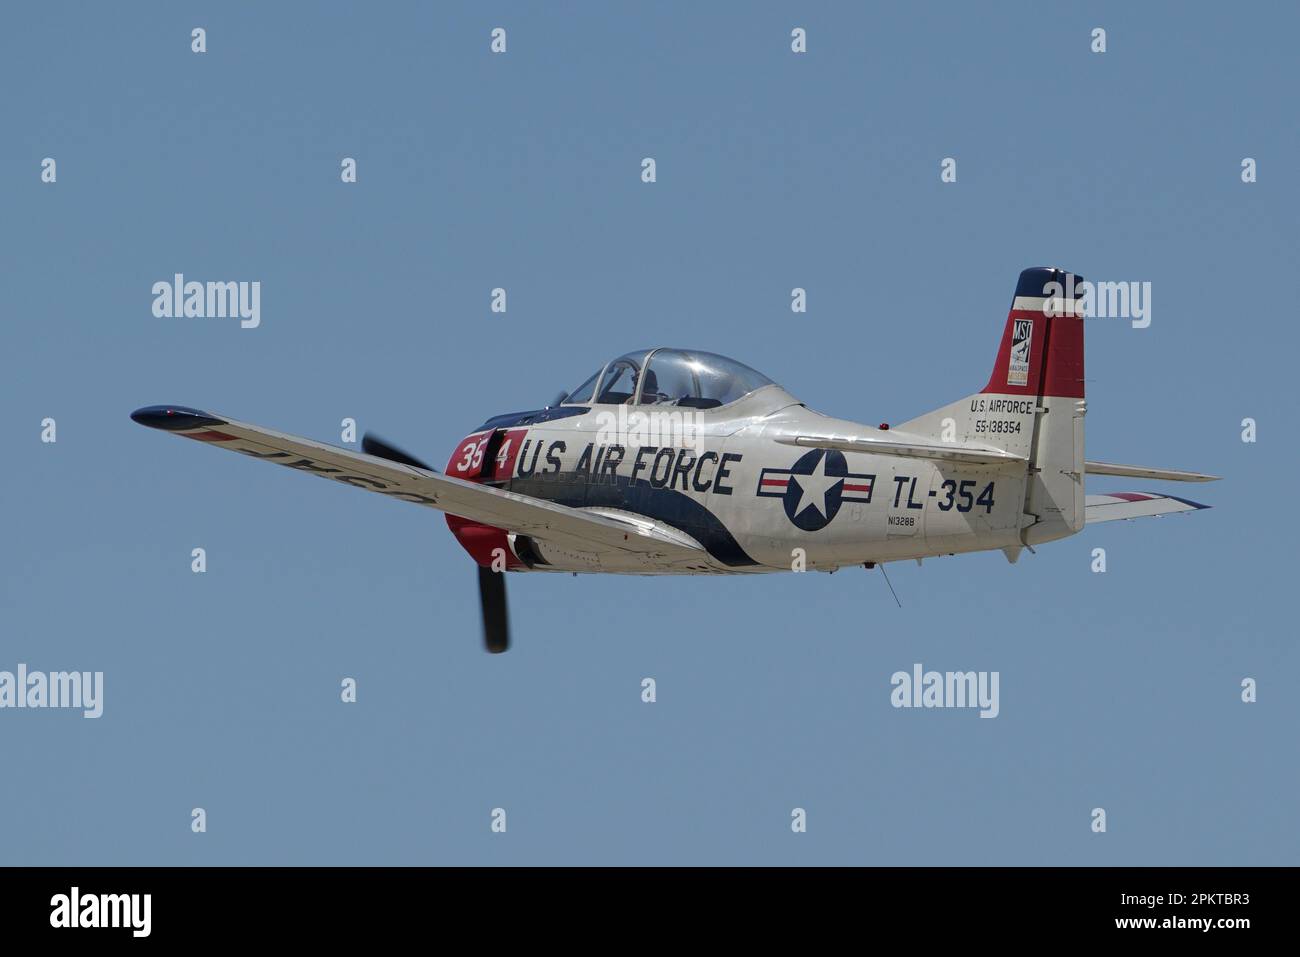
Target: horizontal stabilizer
[1141,471]
[1118,505]
[899,444]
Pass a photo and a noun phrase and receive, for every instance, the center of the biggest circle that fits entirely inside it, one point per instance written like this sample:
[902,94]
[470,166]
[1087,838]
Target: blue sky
[522,170]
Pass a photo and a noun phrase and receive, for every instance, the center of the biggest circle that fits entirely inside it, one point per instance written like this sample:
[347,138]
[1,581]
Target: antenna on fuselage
[881,566]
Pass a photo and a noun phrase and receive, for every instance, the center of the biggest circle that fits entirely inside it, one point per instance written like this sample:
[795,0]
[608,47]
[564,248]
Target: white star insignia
[814,487]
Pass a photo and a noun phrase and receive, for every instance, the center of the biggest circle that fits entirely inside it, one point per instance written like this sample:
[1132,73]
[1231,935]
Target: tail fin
[1033,405]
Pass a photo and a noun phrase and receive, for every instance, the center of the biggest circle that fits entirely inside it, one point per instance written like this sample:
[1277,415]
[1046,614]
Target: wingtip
[174,418]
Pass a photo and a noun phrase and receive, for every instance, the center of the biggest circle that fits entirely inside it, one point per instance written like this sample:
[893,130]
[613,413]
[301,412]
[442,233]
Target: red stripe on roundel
[856,488]
[783,483]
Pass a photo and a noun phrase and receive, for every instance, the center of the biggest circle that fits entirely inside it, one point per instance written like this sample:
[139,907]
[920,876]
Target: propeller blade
[496,620]
[374,445]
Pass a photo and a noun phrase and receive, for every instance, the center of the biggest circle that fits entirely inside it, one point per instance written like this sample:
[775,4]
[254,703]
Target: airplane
[679,462]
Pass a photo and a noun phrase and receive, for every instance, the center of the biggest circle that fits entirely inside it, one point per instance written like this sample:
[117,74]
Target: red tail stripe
[1060,373]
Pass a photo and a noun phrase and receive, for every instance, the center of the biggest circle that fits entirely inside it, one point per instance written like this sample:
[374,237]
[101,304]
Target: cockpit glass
[724,380]
[698,380]
[669,380]
[584,392]
[619,383]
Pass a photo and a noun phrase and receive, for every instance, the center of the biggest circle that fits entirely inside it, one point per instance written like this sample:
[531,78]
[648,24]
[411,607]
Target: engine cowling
[487,456]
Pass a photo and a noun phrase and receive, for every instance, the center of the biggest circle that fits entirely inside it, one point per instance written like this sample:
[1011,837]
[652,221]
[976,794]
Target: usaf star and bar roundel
[813,489]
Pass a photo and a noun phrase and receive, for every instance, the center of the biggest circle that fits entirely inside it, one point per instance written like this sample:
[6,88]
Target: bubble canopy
[678,377]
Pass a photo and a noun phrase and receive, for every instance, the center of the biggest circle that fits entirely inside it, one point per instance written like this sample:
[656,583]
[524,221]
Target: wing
[572,528]
[1117,505]
[1141,471]
[902,444]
